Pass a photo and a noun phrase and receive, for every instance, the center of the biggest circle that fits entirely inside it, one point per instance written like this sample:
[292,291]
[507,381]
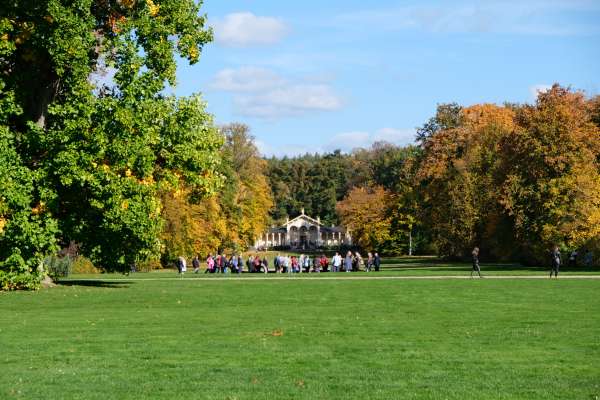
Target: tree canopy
[84,162]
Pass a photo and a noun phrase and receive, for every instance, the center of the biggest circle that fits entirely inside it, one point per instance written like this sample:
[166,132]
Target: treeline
[512,179]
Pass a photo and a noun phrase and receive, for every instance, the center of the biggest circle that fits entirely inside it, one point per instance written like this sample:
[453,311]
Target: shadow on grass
[96,283]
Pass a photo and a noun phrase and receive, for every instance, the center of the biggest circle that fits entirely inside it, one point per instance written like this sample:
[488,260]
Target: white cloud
[246,79]
[289,100]
[246,29]
[262,93]
[535,90]
[395,136]
[536,17]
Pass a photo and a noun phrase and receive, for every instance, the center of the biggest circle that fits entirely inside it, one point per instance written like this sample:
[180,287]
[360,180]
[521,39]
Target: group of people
[352,262]
[283,263]
[306,263]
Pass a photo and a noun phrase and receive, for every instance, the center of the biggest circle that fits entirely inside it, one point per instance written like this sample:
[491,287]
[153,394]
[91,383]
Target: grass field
[133,338]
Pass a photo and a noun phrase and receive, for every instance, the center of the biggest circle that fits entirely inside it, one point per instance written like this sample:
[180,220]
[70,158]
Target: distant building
[304,232]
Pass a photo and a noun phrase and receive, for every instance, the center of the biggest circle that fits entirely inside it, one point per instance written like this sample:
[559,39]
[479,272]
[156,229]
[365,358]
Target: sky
[315,76]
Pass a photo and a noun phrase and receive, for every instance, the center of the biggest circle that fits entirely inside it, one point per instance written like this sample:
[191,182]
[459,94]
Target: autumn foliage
[514,180]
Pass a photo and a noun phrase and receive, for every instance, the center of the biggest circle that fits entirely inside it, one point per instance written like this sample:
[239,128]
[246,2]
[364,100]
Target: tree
[251,199]
[98,157]
[364,213]
[551,180]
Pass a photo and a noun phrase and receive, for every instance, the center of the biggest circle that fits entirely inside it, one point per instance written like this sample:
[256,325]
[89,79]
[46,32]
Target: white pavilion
[304,232]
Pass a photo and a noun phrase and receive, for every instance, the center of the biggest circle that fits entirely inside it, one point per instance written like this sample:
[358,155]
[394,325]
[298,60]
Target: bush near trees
[87,163]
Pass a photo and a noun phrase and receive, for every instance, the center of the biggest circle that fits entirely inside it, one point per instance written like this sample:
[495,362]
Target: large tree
[86,162]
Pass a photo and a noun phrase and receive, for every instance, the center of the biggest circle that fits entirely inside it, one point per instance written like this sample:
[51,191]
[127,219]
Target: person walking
[348,262]
[233,263]
[306,264]
[240,263]
[555,262]
[183,264]
[369,264]
[336,263]
[475,258]
[178,265]
[376,262]
[196,264]
[276,263]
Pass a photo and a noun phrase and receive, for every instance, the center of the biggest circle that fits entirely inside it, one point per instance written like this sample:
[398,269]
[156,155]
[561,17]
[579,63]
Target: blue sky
[314,76]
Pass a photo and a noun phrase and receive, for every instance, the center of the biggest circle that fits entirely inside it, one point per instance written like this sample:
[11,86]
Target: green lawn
[302,339]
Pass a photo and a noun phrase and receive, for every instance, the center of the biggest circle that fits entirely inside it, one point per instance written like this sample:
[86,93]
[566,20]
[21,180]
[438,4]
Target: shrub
[58,267]
[83,265]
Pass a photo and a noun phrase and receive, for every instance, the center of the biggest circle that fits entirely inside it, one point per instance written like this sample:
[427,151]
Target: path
[337,278]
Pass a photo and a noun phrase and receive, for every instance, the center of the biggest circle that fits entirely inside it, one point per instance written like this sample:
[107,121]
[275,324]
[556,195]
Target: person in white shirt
[336,262]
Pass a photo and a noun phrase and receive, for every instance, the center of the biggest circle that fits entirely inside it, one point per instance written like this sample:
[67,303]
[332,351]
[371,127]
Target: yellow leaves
[127,3]
[40,208]
[128,172]
[95,165]
[194,53]
[124,205]
[4,37]
[2,224]
[364,211]
[489,115]
[152,8]
[147,181]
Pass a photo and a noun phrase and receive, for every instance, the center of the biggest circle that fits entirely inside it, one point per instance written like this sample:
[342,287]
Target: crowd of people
[304,263]
[351,262]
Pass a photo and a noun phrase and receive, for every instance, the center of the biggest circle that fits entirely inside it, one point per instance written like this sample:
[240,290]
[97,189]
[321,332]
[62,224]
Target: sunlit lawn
[302,339]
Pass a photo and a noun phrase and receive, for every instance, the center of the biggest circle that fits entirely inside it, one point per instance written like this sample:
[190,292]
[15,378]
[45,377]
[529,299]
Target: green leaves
[86,164]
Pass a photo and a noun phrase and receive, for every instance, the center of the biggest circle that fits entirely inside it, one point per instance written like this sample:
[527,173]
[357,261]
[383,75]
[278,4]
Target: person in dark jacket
[240,264]
[376,262]
[196,264]
[475,257]
[555,262]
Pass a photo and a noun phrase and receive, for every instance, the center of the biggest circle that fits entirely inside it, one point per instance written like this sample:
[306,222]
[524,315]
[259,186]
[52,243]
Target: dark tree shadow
[96,283]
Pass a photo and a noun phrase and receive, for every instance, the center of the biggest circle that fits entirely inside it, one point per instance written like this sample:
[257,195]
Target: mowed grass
[303,339]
